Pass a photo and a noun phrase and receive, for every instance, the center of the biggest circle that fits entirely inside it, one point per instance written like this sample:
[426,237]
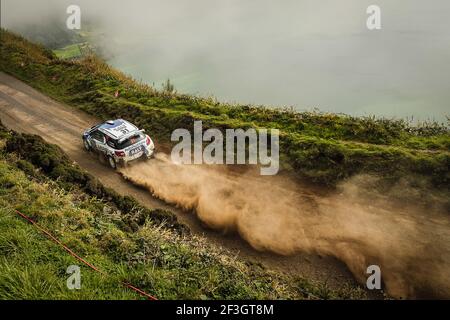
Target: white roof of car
[118,129]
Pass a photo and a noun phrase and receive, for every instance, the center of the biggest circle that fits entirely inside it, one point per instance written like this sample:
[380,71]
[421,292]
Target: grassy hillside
[323,148]
[148,248]
[68,52]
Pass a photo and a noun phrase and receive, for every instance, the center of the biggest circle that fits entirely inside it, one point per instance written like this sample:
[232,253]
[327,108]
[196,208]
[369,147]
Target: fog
[300,53]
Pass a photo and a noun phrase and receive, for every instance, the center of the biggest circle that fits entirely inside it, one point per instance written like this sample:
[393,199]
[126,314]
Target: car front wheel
[86,145]
[112,162]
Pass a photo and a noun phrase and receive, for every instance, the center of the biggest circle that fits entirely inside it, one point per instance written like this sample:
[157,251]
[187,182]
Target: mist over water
[300,53]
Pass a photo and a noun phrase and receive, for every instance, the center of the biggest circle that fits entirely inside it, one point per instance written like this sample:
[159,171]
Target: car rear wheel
[112,162]
[86,145]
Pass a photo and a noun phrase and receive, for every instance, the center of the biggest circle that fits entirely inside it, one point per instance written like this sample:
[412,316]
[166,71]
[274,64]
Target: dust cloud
[411,246]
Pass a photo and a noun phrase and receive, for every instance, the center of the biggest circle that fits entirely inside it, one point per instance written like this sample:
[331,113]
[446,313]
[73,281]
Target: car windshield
[130,141]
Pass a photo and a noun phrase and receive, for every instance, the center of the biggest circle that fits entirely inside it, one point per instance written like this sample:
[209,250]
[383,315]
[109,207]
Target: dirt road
[26,110]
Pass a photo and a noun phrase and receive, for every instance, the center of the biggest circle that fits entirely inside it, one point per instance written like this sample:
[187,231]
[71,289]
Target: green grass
[125,241]
[69,52]
[320,147]
[31,267]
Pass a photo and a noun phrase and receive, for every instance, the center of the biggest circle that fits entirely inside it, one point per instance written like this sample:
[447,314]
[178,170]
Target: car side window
[110,142]
[97,135]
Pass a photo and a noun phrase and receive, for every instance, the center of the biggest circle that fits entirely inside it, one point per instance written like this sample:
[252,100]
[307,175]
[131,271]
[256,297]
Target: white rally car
[119,141]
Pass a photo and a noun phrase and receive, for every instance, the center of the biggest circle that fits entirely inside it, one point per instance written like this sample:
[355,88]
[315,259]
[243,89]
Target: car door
[98,141]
